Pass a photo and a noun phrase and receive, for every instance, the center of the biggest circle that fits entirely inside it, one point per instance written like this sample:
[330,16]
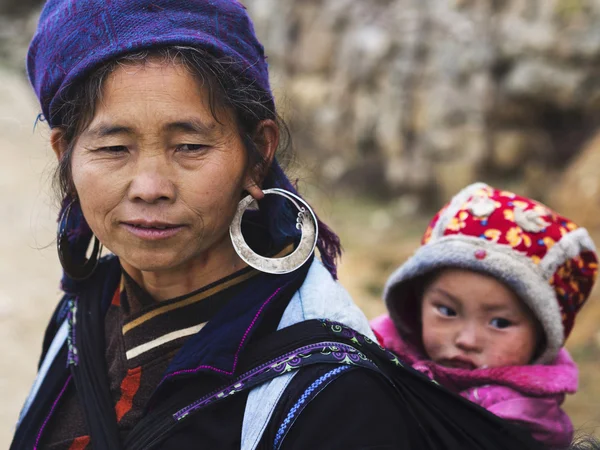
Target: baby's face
[470,321]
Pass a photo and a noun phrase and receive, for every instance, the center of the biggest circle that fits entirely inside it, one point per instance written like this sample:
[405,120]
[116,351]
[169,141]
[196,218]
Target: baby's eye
[500,323]
[446,311]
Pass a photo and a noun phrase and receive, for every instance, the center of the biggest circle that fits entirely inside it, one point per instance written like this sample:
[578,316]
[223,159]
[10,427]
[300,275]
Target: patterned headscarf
[75,36]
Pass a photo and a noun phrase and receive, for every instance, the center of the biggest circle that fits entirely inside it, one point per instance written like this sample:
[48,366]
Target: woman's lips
[152,231]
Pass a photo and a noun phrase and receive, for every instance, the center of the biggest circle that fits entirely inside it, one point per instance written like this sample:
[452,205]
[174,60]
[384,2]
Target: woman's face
[471,320]
[157,176]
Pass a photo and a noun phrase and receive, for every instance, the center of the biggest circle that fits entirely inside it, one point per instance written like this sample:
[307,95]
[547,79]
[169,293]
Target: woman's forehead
[162,92]
[155,78]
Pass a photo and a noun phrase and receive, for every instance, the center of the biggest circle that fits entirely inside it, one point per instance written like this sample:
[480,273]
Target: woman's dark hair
[228,91]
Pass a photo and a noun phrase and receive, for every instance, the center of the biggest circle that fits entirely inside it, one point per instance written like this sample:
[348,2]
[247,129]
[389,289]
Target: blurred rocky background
[419,97]
[394,106]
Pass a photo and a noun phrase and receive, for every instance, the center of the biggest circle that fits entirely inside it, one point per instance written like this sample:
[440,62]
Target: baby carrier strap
[86,359]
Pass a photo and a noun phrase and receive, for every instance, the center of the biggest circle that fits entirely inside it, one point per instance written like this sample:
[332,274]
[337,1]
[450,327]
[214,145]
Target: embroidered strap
[72,355]
[322,352]
[327,352]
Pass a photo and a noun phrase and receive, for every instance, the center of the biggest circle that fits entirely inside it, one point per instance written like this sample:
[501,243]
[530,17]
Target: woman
[165,130]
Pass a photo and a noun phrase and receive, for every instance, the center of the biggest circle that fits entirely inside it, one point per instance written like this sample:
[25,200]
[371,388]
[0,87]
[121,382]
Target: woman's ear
[266,139]
[58,143]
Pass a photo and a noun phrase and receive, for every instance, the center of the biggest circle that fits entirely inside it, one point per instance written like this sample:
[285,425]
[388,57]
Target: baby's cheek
[507,355]
[432,343]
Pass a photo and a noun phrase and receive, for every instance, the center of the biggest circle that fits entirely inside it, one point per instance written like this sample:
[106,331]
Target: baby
[485,305]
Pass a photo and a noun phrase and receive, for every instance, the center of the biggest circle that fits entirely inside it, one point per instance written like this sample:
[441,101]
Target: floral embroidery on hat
[547,241]
[570,226]
[516,237]
[531,220]
[482,206]
[507,194]
[492,234]
[459,222]
[519,204]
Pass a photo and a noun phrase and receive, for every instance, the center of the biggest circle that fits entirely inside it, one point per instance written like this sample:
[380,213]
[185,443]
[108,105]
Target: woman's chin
[154,262]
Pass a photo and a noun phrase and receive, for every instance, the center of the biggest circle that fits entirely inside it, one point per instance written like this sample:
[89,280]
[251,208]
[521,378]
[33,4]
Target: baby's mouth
[458,363]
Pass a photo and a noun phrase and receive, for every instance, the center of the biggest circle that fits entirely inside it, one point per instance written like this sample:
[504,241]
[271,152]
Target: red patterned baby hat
[545,258]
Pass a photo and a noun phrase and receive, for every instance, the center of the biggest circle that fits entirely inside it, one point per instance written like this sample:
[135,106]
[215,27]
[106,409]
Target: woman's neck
[190,276]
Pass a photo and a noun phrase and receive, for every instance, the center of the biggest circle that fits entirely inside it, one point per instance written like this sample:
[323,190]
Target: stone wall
[420,97]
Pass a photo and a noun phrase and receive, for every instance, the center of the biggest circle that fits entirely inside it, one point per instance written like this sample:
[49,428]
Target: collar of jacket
[217,347]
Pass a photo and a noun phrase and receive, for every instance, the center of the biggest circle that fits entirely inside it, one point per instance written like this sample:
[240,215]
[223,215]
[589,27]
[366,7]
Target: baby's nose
[468,338]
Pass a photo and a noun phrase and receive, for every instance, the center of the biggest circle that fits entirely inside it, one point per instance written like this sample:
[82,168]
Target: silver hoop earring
[306,222]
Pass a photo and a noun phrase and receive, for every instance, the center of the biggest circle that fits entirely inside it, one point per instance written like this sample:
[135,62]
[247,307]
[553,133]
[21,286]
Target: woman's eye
[446,311]
[500,323]
[191,147]
[113,149]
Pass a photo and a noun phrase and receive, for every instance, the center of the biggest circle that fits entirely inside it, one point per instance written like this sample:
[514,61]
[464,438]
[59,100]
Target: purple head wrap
[75,36]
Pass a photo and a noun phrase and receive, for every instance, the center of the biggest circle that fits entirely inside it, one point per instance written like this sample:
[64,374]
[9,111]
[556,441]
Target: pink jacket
[528,395]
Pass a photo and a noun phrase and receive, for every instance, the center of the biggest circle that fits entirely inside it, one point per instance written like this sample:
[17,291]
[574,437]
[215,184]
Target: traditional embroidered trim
[322,352]
[141,349]
[306,397]
[72,355]
[310,354]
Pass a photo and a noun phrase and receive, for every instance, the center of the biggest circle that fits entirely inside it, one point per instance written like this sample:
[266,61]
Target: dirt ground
[376,239]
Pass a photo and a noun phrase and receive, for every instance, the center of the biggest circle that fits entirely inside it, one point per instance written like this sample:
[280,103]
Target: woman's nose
[151,181]
[468,338]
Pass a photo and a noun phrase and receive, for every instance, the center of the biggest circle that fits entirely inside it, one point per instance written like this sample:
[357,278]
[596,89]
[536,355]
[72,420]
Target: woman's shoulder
[322,297]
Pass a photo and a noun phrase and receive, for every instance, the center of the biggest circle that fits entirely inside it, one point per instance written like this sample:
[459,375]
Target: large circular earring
[72,269]
[306,222]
